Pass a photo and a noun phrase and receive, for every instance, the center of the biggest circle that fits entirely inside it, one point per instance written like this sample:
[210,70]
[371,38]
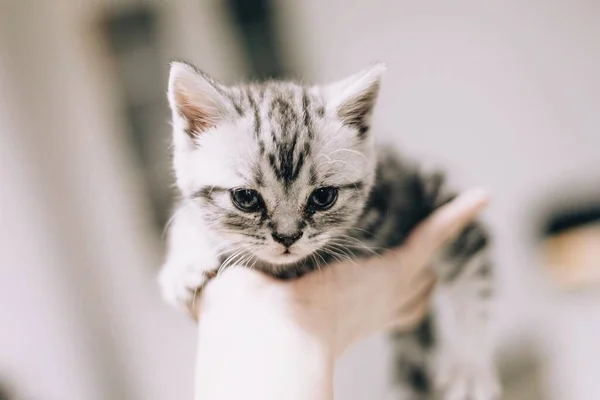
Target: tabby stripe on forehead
[307,148]
[285,113]
[312,176]
[235,104]
[298,168]
[258,176]
[286,171]
[289,172]
[256,113]
[306,112]
[354,185]
[238,107]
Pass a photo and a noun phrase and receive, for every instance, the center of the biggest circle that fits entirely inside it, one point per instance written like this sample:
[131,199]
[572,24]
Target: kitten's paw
[179,285]
[462,380]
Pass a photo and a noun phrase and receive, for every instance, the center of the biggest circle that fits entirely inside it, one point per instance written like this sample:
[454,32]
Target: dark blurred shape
[5,393]
[521,373]
[571,217]
[254,20]
[133,39]
[570,235]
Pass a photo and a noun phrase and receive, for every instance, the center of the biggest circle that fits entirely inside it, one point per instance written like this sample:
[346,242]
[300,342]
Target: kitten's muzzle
[286,240]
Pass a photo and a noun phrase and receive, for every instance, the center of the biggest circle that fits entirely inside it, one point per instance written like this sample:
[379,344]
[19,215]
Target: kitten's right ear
[196,99]
[352,99]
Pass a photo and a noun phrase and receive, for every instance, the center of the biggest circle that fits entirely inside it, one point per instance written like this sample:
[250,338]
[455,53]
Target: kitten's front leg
[191,260]
[181,280]
[463,360]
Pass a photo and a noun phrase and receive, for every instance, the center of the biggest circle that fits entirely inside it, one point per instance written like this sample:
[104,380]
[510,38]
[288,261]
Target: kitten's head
[278,170]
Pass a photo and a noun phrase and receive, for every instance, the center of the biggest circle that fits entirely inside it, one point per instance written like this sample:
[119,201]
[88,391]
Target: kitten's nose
[286,240]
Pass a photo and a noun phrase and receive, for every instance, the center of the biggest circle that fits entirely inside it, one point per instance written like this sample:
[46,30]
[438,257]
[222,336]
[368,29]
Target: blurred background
[504,94]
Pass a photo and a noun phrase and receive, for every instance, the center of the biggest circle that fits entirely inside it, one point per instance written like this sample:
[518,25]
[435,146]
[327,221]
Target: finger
[420,285]
[419,276]
[413,310]
[445,223]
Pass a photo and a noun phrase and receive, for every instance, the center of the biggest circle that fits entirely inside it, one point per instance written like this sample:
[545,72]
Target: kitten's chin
[283,259]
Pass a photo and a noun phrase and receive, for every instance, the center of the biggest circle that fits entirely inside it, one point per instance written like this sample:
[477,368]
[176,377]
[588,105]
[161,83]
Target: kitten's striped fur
[284,140]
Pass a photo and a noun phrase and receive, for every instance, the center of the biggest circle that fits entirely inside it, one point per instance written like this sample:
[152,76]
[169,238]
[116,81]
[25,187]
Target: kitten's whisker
[244,261]
[170,221]
[230,260]
[326,145]
[330,161]
[332,254]
[353,242]
[233,248]
[238,260]
[345,236]
[344,251]
[362,230]
[336,253]
[317,253]
[351,246]
[351,151]
[316,262]
[254,263]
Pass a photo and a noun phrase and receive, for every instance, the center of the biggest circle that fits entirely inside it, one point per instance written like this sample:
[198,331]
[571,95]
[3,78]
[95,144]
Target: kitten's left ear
[352,99]
[196,99]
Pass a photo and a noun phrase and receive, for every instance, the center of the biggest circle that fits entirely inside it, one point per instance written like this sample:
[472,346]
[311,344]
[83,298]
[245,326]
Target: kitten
[285,178]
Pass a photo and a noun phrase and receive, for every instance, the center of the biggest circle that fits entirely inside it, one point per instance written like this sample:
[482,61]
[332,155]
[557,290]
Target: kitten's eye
[247,200]
[323,198]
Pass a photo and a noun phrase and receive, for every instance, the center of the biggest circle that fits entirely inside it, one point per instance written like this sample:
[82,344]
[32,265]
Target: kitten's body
[284,142]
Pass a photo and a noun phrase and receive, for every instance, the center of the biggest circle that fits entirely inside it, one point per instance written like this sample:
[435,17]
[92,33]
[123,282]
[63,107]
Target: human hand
[354,301]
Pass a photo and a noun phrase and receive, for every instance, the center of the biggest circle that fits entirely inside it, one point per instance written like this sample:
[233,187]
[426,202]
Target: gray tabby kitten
[285,178]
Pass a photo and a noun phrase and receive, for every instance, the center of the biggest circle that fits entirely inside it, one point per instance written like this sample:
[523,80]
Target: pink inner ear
[198,119]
